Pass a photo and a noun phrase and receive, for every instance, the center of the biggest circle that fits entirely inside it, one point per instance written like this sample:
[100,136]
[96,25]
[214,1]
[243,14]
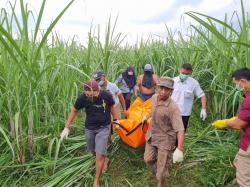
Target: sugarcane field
[125,93]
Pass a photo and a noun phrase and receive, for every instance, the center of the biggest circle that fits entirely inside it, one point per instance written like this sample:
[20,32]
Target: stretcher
[131,130]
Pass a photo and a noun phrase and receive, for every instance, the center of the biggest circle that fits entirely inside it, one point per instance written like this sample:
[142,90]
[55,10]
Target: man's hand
[203,114]
[177,156]
[114,123]
[65,133]
[125,113]
[220,124]
[232,118]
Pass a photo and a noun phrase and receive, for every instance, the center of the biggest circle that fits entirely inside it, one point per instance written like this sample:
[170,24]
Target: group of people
[172,100]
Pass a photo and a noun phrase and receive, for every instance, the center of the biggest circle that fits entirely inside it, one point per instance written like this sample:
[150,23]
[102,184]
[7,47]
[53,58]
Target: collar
[165,103]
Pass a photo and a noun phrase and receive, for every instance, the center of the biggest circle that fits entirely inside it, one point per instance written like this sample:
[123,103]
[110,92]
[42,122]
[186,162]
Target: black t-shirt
[98,111]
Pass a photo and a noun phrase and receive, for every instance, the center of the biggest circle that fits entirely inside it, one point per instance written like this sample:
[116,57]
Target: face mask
[238,88]
[100,83]
[130,73]
[183,77]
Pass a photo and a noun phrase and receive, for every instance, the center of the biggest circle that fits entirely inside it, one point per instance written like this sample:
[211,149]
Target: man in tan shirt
[165,128]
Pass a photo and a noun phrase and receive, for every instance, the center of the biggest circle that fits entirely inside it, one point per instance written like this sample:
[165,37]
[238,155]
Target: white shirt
[184,93]
[114,90]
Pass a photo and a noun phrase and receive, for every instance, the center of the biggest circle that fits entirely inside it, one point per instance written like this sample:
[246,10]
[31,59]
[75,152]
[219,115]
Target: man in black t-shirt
[99,105]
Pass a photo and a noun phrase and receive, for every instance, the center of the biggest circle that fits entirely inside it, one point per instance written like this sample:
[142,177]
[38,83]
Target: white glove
[177,156]
[115,125]
[203,114]
[144,119]
[65,133]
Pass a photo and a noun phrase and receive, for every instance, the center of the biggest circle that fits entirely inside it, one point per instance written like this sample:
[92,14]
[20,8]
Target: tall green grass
[39,81]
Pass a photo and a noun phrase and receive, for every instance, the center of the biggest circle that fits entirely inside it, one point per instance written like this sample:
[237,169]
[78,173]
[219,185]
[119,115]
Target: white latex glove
[203,114]
[65,133]
[115,125]
[177,156]
[144,120]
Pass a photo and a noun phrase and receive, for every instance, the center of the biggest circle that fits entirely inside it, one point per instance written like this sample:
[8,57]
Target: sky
[136,18]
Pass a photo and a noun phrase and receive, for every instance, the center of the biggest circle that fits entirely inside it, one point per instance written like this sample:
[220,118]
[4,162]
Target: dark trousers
[185,121]
[127,98]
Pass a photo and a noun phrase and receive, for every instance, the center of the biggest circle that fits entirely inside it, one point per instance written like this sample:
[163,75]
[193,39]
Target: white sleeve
[198,91]
[116,89]
[118,80]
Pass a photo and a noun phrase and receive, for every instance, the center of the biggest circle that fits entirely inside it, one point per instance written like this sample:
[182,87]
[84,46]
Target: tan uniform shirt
[166,122]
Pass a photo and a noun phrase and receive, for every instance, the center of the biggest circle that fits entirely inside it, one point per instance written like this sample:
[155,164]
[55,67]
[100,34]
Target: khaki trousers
[159,160]
[242,164]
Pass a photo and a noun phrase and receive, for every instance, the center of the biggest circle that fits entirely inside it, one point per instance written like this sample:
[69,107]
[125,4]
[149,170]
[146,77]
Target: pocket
[172,140]
[243,153]
[104,129]
[188,94]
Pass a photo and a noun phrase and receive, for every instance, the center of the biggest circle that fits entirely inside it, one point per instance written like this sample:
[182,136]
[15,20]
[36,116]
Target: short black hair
[187,66]
[243,73]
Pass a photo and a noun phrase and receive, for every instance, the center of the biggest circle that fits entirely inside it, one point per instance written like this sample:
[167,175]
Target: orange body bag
[131,130]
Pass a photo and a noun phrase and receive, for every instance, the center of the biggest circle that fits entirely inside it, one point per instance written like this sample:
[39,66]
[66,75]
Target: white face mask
[130,73]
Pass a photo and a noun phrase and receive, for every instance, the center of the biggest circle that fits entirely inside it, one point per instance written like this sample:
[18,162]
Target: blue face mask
[100,83]
[183,77]
[238,88]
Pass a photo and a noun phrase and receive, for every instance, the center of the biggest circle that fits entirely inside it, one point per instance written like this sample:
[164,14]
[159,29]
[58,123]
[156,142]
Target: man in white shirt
[185,88]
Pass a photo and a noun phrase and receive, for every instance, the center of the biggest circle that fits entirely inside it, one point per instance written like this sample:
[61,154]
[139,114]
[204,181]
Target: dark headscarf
[129,79]
[148,80]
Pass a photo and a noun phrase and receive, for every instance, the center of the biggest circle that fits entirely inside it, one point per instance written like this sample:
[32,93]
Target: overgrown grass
[208,162]
[39,81]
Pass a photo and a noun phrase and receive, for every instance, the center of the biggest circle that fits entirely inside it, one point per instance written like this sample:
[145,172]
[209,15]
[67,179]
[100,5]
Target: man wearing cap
[185,88]
[104,84]
[98,106]
[146,83]
[166,127]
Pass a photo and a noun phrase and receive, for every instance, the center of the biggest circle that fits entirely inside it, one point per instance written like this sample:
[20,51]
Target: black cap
[98,74]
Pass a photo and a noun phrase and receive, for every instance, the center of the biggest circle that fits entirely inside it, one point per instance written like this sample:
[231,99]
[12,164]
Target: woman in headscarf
[146,83]
[126,82]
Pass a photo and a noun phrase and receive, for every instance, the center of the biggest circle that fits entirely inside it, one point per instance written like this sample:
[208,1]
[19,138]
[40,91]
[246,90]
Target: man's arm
[118,80]
[236,124]
[156,79]
[180,137]
[203,102]
[72,115]
[112,109]
[122,101]
[65,131]
[203,114]
[138,85]
[177,124]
